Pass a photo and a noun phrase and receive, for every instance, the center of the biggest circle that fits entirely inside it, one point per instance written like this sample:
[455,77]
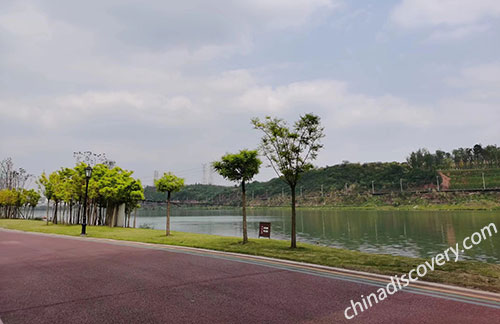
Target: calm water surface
[407,233]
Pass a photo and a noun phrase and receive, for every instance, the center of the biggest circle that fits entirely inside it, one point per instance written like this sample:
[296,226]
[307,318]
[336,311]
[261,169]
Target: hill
[462,168]
[353,176]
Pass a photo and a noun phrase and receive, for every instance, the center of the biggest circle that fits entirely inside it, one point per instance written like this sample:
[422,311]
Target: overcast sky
[170,85]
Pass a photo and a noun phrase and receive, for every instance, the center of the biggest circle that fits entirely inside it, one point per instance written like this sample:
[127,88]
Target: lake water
[406,233]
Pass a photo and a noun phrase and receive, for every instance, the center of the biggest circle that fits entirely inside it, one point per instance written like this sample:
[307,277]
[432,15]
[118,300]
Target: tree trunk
[109,214]
[54,219]
[95,214]
[135,216]
[79,211]
[115,213]
[48,207]
[244,211]
[168,213]
[294,237]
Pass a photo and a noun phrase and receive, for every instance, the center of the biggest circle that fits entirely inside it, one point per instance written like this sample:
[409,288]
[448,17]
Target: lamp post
[88,174]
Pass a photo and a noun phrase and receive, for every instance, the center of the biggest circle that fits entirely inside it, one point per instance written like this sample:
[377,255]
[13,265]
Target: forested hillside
[465,166]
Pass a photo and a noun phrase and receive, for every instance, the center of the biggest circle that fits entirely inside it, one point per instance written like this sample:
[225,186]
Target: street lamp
[88,174]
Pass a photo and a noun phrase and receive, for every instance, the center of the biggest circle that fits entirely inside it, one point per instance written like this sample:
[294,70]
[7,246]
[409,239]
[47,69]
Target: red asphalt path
[49,279]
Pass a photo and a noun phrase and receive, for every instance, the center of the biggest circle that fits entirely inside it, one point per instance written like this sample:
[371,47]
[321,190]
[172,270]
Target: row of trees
[289,150]
[460,158]
[15,200]
[18,203]
[109,187]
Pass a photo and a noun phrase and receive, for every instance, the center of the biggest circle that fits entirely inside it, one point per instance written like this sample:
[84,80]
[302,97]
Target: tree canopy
[109,187]
[290,151]
[169,183]
[241,166]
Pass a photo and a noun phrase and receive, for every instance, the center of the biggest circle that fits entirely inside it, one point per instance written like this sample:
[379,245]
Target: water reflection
[409,233]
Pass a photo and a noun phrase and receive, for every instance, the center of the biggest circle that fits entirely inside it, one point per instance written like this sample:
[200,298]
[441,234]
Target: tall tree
[169,183]
[290,150]
[240,167]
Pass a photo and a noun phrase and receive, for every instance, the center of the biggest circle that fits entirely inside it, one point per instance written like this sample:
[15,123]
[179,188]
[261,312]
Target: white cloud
[424,13]
[339,106]
[26,21]
[447,19]
[233,92]
[480,83]
[482,75]
[285,13]
[64,112]
[457,32]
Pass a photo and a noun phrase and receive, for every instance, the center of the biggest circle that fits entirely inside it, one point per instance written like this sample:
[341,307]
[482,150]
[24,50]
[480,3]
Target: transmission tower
[210,175]
[156,175]
[204,181]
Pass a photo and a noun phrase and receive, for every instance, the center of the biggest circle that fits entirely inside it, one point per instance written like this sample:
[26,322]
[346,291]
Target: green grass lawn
[465,273]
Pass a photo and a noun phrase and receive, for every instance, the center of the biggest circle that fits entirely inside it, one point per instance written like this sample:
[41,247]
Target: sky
[172,85]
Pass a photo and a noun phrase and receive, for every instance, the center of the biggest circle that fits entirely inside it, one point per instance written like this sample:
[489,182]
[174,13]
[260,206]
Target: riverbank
[468,274]
[444,207]
[432,200]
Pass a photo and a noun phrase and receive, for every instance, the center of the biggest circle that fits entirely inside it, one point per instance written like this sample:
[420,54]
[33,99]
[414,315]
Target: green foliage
[169,183]
[460,158]
[108,186]
[290,150]
[242,166]
[195,192]
[11,200]
[473,178]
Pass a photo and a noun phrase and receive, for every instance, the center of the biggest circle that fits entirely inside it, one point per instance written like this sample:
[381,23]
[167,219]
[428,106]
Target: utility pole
[484,183]
[373,187]
[346,186]
[437,180]
[401,184]
[301,191]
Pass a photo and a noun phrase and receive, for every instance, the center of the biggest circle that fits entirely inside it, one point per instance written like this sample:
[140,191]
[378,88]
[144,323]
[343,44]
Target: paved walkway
[56,279]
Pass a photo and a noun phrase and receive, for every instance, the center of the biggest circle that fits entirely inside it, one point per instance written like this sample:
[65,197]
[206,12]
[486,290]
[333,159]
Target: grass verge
[469,274]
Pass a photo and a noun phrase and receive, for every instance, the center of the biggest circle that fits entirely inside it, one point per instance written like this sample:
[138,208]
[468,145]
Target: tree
[290,151]
[478,152]
[47,189]
[169,183]
[241,167]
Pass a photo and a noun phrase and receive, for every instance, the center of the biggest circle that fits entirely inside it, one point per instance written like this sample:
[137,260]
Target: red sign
[265,229]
